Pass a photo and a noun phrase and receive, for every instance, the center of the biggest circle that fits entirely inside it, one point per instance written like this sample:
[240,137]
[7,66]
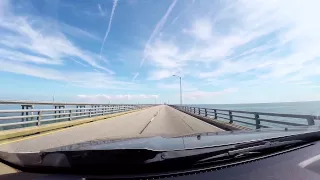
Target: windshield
[157,74]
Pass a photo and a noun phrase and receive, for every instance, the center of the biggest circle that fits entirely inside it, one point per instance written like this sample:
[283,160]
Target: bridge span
[37,126]
[160,120]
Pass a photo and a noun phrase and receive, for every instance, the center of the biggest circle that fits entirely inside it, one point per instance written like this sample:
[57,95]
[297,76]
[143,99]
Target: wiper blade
[115,162]
[253,150]
[266,145]
[229,151]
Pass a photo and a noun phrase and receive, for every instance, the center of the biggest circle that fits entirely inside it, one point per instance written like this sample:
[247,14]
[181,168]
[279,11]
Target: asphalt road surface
[159,120]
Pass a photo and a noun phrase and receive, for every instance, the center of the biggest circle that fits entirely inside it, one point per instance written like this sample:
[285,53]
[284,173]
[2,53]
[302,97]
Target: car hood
[197,140]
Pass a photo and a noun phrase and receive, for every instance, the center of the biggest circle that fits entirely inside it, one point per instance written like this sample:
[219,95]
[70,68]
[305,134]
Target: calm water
[305,108]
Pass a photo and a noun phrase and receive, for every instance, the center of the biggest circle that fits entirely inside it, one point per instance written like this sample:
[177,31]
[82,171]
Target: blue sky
[126,51]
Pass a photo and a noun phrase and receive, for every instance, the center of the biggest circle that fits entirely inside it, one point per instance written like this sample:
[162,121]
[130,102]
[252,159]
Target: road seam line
[181,119]
[149,123]
[215,127]
[186,123]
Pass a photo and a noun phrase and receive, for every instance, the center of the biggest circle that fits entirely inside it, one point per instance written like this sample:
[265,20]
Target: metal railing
[256,120]
[30,116]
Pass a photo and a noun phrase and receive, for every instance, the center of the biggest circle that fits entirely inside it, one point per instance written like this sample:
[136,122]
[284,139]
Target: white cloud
[164,54]
[82,64]
[104,97]
[202,29]
[38,47]
[40,42]
[13,55]
[75,32]
[226,43]
[181,13]
[175,86]
[233,67]
[135,76]
[292,28]
[207,94]
[263,39]
[102,12]
[172,55]
[157,30]
[168,86]
[81,79]
[206,47]
[30,70]
[160,74]
[4,5]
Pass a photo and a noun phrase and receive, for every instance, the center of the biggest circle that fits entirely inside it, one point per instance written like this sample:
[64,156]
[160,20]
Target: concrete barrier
[15,133]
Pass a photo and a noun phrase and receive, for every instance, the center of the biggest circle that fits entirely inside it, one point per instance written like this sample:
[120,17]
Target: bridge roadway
[159,120]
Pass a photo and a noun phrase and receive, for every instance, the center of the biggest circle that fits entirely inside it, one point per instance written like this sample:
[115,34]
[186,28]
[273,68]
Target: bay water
[300,108]
[304,108]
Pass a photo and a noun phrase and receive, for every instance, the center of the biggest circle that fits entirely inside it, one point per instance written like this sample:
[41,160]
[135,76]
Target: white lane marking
[152,119]
[309,161]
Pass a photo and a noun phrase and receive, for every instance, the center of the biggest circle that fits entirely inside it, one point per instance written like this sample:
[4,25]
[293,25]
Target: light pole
[180,88]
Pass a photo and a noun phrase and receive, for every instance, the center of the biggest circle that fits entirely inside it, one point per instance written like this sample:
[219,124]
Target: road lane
[121,126]
[172,122]
[160,120]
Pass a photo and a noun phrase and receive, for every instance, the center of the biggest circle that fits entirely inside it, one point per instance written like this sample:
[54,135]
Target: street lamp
[180,88]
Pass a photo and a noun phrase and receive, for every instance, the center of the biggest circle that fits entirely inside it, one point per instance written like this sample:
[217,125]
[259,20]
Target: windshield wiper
[121,161]
[253,150]
[144,161]
[227,152]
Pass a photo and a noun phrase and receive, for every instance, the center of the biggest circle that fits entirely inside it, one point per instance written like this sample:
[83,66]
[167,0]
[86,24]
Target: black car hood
[198,140]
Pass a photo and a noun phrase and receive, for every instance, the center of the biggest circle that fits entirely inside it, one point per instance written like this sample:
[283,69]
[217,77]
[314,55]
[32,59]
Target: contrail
[102,13]
[109,26]
[135,76]
[158,28]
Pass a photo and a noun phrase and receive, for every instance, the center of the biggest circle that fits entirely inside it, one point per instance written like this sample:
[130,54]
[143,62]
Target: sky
[127,51]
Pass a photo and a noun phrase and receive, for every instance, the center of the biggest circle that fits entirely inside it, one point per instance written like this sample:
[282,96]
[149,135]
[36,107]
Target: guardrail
[251,119]
[28,116]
